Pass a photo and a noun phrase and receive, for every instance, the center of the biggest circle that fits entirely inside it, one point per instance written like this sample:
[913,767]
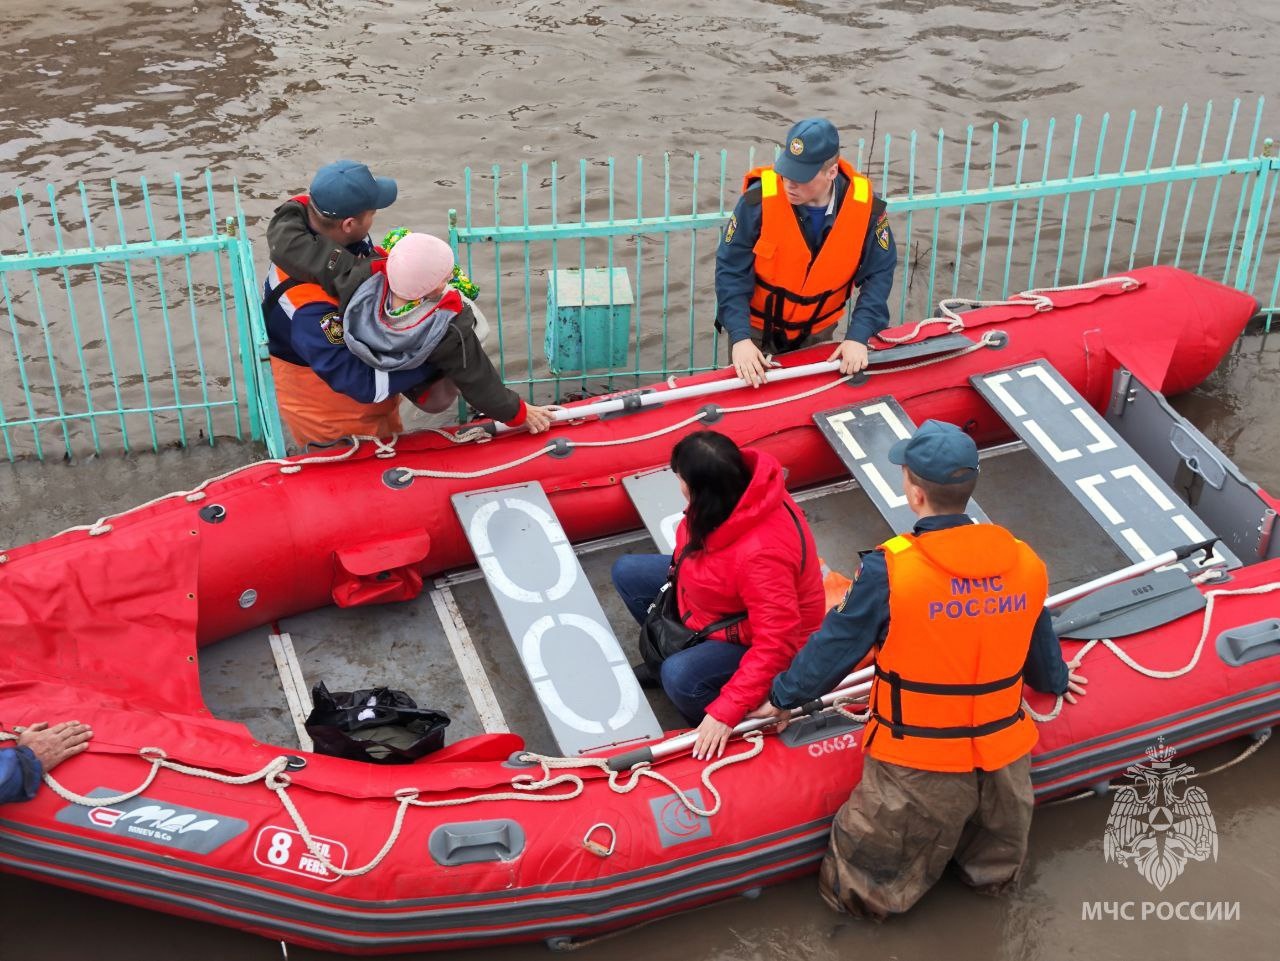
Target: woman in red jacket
[744,546]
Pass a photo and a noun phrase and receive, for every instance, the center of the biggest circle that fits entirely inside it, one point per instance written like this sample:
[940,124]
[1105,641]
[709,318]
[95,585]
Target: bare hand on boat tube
[1075,685]
[748,361]
[537,419]
[852,355]
[53,745]
[768,712]
[713,735]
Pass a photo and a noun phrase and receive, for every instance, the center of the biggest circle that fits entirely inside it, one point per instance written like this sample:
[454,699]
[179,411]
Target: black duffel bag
[664,631]
[377,724]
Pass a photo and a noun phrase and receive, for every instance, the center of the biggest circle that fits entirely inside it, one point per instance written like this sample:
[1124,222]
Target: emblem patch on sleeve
[731,229]
[845,600]
[882,232]
[331,324]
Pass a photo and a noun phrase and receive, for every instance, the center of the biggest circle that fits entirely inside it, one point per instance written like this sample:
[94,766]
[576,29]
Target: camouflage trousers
[893,838]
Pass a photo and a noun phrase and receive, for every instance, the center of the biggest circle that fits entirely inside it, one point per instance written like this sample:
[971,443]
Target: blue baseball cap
[810,144]
[938,452]
[346,188]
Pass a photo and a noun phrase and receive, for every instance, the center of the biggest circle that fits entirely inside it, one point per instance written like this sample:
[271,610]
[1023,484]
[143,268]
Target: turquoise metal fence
[131,325]
[993,211]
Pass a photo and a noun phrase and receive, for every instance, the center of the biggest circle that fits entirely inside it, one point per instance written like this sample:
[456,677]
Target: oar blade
[1130,607]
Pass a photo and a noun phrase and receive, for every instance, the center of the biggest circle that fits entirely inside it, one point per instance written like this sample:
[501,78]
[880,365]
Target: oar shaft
[658,397]
[1115,577]
[855,685]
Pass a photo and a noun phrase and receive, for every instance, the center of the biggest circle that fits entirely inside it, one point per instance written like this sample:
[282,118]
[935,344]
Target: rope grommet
[406,794]
[397,478]
[294,763]
[595,847]
[152,754]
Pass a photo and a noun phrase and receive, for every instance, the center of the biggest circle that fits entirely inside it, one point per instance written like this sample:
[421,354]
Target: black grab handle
[629,759]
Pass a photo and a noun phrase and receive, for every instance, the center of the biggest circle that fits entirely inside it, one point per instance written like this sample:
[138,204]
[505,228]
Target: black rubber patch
[213,513]
[294,763]
[397,478]
[630,404]
[560,447]
[858,379]
[997,340]
[711,413]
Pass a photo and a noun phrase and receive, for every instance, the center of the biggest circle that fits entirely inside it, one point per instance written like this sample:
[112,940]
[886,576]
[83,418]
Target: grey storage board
[861,434]
[580,676]
[657,498]
[1140,513]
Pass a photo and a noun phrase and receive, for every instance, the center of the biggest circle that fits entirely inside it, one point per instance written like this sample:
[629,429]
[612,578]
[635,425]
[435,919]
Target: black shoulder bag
[664,631]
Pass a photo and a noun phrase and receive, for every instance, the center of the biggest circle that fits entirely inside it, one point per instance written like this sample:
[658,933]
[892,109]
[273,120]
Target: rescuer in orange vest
[804,233]
[956,613]
[324,391]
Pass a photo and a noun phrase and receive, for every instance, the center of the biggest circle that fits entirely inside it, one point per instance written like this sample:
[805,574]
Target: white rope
[1036,297]
[525,787]
[1248,752]
[476,435]
[986,340]
[1124,657]
[386,449]
[198,493]
[840,705]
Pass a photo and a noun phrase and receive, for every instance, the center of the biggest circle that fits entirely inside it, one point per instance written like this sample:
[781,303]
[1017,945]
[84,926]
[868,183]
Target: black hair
[950,498]
[712,467]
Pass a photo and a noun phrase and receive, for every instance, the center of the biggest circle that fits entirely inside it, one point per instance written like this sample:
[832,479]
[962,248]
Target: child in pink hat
[411,318]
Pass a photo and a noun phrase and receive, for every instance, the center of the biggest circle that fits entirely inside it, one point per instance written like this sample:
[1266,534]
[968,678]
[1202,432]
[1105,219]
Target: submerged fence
[132,325]
[983,215]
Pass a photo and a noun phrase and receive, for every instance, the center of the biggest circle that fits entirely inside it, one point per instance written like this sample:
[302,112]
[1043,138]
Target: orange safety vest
[947,695]
[313,411]
[798,294]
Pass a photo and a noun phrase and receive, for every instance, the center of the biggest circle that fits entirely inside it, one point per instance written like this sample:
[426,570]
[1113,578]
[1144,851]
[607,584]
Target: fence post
[260,392]
[1257,200]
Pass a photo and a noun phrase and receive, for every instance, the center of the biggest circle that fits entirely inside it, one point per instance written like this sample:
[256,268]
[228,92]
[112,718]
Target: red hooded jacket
[752,562]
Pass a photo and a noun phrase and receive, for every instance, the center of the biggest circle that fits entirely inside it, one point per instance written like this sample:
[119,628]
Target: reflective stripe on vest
[798,293]
[292,295]
[947,694]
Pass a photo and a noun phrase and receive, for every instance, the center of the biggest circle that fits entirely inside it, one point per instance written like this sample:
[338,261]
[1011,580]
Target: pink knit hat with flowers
[417,265]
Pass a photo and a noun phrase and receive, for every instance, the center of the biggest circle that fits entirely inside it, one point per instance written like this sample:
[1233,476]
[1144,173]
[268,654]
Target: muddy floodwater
[266,90]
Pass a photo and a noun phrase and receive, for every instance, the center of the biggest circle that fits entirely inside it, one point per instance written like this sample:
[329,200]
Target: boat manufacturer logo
[104,817]
[157,822]
[1160,822]
[676,824]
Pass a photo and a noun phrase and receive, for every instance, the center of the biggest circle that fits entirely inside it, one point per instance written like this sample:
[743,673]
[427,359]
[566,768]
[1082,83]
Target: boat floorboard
[404,645]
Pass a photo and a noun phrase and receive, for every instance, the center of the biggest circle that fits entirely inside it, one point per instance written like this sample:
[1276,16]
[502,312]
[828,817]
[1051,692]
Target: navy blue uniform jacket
[736,266]
[847,634]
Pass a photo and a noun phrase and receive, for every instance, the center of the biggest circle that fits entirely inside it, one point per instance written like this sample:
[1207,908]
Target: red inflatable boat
[483,842]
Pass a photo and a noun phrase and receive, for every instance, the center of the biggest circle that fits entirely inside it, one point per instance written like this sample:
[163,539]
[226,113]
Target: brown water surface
[268,89]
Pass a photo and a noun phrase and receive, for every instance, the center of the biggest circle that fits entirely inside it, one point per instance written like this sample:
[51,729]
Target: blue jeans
[692,679]
[638,578]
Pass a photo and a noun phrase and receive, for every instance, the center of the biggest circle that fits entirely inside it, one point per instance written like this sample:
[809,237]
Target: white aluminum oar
[855,685]
[659,397]
[859,682]
[1133,570]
